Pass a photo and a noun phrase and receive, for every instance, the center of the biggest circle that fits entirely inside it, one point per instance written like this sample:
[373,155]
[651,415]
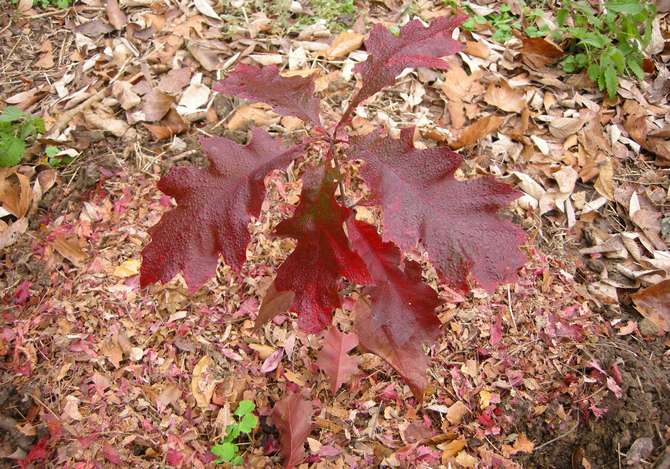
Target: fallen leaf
[504,97]
[605,183]
[175,80]
[274,303]
[104,121]
[70,249]
[170,126]
[111,349]
[258,114]
[334,359]
[563,127]
[94,28]
[156,105]
[272,362]
[115,15]
[456,412]
[293,418]
[451,449]
[71,408]
[540,52]
[170,393]
[128,268]
[654,304]
[11,234]
[344,43]
[475,132]
[203,382]
[123,91]
[204,7]
[477,49]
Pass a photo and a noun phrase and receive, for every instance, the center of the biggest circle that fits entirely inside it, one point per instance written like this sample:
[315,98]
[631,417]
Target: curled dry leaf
[203,382]
[563,127]
[344,43]
[156,105]
[504,97]
[293,418]
[654,304]
[100,119]
[540,52]
[258,114]
[475,132]
[115,15]
[15,193]
[10,234]
[70,249]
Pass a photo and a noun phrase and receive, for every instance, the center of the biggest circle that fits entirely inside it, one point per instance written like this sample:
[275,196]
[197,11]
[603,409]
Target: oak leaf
[400,315]
[322,254]
[414,46]
[292,96]
[214,207]
[456,221]
[334,359]
[293,418]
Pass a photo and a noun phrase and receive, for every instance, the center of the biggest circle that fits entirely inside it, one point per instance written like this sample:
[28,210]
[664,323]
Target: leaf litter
[569,343]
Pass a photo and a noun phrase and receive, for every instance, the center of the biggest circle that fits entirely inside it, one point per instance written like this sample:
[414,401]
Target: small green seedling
[55,158]
[16,127]
[61,4]
[227,450]
[607,43]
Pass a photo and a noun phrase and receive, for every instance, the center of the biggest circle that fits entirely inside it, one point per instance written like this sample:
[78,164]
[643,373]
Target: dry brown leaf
[15,193]
[456,412]
[175,80]
[210,59]
[540,52]
[168,395]
[123,91]
[105,121]
[605,183]
[172,125]
[128,268]
[477,49]
[116,16]
[344,43]
[10,234]
[258,114]
[654,304]
[451,449]
[70,249]
[475,132]
[563,127]
[203,382]
[504,97]
[111,349]
[156,105]
[521,445]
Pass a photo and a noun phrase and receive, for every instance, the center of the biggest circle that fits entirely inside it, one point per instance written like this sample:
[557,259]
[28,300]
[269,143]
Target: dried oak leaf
[292,96]
[456,221]
[293,418]
[654,304]
[156,105]
[322,254]
[476,131]
[214,207]
[400,316]
[334,359]
[414,46]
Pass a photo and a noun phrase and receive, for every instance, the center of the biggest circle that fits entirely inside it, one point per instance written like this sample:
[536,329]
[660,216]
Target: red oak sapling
[423,203]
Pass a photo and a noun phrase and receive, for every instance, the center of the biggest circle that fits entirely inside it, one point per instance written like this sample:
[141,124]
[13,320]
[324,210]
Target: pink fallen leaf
[272,362]
[334,359]
[293,418]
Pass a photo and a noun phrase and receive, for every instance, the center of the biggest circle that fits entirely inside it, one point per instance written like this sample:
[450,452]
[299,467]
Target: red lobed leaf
[415,46]
[457,221]
[333,358]
[400,316]
[293,418]
[289,96]
[322,254]
[214,207]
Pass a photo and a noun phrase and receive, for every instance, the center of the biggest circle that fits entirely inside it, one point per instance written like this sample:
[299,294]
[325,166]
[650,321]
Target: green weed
[228,450]
[608,43]
[16,127]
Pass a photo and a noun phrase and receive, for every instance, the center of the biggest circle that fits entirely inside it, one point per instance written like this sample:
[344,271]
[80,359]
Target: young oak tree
[423,203]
